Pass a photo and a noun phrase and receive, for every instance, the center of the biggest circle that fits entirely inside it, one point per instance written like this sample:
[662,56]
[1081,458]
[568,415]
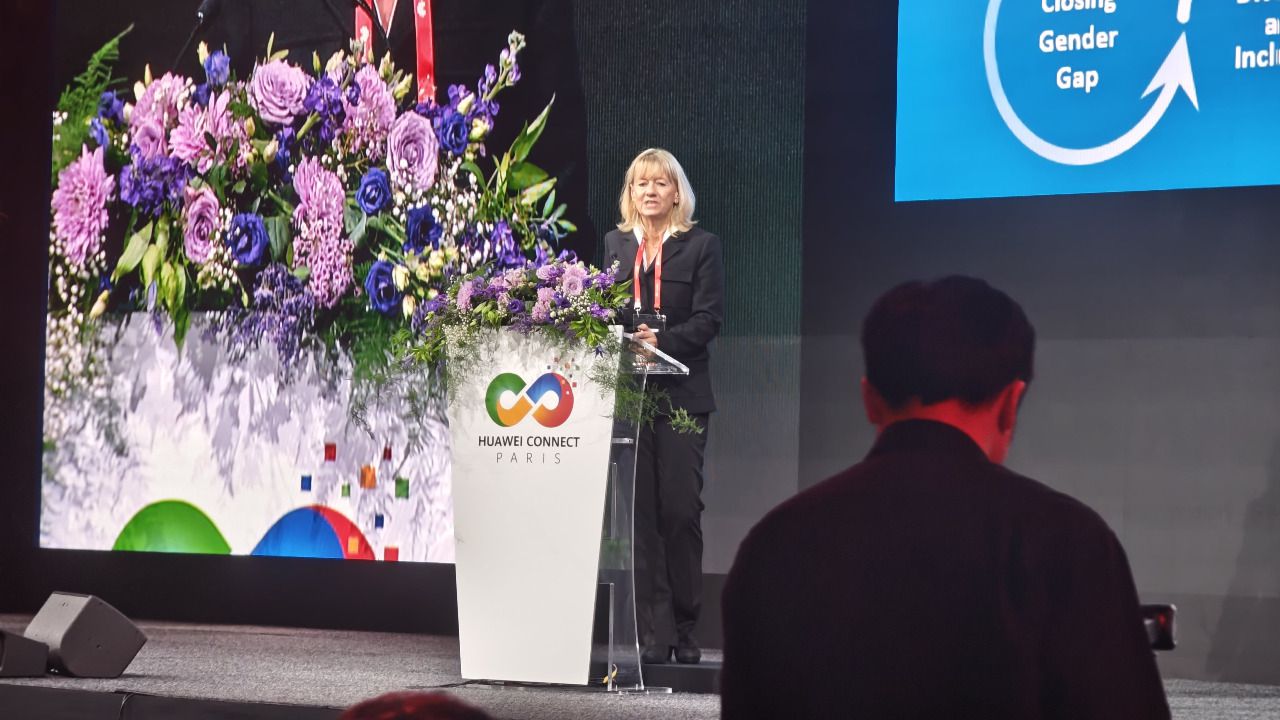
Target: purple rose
[277,91]
[248,240]
[412,152]
[148,140]
[515,306]
[200,222]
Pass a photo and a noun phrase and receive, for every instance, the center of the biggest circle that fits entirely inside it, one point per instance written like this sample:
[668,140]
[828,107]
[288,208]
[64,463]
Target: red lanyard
[657,277]
[423,41]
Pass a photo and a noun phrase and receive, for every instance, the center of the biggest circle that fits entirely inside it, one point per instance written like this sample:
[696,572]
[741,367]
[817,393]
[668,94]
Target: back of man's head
[411,705]
[953,338]
[951,347]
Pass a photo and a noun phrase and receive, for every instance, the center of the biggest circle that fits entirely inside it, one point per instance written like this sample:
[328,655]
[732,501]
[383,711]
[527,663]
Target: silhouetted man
[928,581]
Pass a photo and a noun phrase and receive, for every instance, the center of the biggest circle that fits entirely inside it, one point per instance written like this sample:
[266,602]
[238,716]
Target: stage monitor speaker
[21,657]
[86,636]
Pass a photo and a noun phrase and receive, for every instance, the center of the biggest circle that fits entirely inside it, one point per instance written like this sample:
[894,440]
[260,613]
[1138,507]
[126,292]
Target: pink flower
[319,244]
[80,206]
[573,280]
[200,222]
[465,291]
[190,140]
[162,101]
[320,200]
[369,122]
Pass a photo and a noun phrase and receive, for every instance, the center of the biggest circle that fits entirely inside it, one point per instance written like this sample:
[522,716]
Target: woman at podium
[677,277]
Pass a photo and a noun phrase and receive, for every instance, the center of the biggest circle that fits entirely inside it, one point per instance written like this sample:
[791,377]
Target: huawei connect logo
[529,399]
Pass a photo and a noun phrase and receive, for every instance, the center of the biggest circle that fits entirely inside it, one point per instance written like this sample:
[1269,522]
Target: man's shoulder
[1018,498]
[1037,501]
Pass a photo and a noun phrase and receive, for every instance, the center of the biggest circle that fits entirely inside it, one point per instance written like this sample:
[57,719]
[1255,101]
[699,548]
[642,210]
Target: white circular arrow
[1174,73]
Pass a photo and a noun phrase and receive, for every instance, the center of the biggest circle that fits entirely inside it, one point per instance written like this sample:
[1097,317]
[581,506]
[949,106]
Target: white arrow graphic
[1174,73]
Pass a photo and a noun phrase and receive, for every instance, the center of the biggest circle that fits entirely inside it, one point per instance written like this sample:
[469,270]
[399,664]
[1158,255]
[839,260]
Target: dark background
[1157,314]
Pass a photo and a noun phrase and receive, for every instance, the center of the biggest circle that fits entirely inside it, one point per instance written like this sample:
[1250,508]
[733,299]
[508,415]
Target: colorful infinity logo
[527,399]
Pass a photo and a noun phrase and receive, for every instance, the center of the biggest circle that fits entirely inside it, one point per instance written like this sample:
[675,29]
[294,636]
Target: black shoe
[655,654]
[687,651]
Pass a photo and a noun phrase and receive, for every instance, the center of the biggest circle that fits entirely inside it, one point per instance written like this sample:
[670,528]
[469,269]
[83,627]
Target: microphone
[207,11]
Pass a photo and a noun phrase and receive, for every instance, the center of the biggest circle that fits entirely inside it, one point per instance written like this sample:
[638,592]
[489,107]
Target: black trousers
[668,531]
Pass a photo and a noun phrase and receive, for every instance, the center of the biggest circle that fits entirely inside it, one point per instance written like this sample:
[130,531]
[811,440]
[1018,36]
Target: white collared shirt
[640,239]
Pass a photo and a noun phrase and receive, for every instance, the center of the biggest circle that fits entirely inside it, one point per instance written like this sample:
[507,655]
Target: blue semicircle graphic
[302,533]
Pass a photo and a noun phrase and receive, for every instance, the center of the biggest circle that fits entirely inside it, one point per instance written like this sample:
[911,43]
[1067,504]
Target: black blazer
[468,34]
[692,300]
[928,582]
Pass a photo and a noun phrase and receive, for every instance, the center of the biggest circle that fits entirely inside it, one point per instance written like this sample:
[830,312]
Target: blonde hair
[665,164]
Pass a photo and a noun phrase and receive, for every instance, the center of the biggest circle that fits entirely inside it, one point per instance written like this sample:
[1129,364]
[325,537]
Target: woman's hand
[644,334]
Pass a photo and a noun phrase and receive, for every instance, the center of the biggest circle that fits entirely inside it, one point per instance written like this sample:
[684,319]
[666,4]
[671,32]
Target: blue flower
[111,107]
[147,184]
[542,254]
[353,93]
[248,240]
[505,247]
[422,230]
[515,307]
[325,100]
[201,95]
[380,285]
[286,143]
[98,132]
[217,68]
[453,131]
[374,194]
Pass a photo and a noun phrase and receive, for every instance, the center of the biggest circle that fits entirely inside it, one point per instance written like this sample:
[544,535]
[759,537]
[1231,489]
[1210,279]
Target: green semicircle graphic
[172,526]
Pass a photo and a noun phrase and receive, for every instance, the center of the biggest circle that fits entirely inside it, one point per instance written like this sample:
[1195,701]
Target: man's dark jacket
[929,582]
[692,300]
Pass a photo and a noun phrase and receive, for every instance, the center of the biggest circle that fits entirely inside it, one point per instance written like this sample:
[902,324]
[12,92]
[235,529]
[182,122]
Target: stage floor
[325,670]
[335,669]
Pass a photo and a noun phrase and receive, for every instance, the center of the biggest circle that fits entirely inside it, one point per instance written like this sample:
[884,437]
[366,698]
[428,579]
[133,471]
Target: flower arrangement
[308,205]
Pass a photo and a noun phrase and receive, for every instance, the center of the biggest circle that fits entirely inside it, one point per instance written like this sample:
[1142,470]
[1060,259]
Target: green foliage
[684,424]
[78,103]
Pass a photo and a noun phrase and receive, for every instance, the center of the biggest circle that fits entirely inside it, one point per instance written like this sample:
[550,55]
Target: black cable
[207,11]
[124,703]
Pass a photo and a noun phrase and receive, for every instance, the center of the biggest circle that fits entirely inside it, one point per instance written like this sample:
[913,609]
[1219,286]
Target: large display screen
[1041,97]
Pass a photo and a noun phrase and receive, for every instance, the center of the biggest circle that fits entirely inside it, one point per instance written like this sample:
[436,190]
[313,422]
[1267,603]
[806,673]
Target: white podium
[543,480]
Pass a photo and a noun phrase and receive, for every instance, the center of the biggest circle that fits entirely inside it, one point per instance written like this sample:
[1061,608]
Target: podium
[543,488]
